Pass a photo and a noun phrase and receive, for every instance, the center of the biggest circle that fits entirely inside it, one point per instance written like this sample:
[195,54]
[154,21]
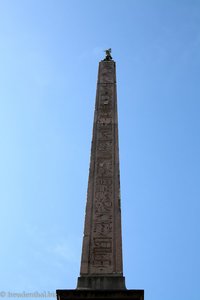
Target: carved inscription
[106,90]
[105,105]
[104,146]
[104,184]
[103,197]
[105,109]
[102,245]
[103,218]
[104,167]
[103,206]
[102,230]
[102,251]
[105,117]
[107,73]
[105,134]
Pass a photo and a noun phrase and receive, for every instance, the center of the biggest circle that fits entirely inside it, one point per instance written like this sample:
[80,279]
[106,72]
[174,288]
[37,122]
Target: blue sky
[49,54]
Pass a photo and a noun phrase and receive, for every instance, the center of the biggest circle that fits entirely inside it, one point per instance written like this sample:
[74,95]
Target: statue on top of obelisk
[108,54]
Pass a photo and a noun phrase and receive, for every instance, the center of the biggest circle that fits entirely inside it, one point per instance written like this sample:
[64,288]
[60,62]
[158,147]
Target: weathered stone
[101,274]
[102,241]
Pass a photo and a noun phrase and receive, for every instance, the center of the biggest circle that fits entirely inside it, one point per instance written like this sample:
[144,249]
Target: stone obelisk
[101,273]
[101,263]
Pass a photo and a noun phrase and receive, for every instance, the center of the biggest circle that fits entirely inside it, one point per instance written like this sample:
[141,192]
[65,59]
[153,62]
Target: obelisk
[101,263]
[101,273]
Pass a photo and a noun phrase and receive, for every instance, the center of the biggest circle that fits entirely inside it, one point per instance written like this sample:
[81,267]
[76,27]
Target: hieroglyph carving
[105,133]
[107,73]
[104,146]
[101,256]
[104,167]
[102,231]
[102,253]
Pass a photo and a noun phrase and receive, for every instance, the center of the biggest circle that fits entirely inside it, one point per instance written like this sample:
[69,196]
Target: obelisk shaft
[101,263]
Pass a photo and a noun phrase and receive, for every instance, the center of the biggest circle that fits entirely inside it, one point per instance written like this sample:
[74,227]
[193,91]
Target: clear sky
[49,54]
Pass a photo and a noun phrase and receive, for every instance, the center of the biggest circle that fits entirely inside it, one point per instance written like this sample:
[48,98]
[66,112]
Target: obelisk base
[101,282]
[100,294]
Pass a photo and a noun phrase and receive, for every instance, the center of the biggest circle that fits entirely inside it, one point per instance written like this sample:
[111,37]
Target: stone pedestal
[100,294]
[101,282]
